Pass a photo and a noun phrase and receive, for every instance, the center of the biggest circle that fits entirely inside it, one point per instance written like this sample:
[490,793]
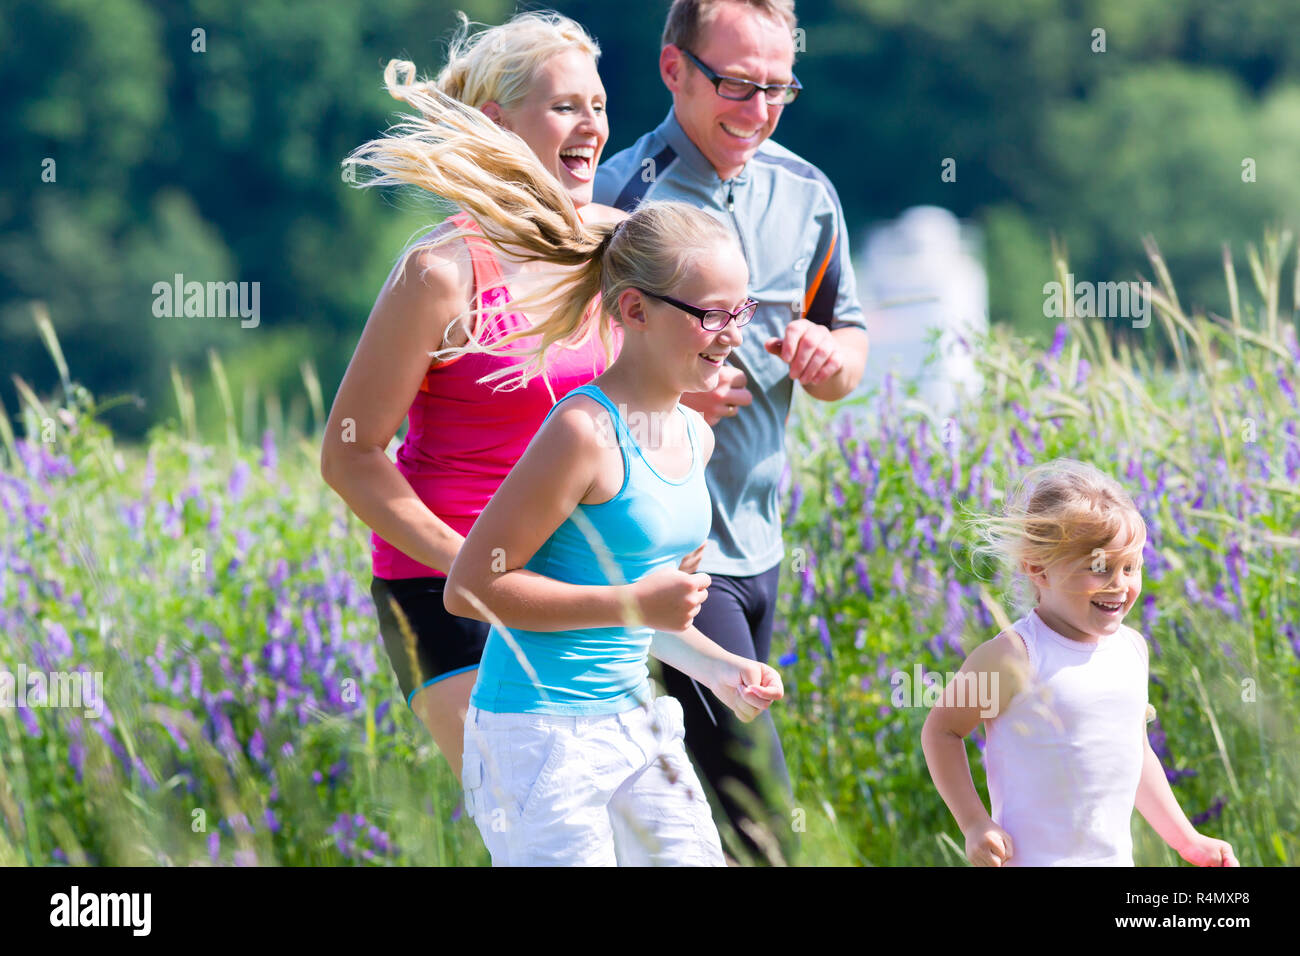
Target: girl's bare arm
[957,714]
[1158,805]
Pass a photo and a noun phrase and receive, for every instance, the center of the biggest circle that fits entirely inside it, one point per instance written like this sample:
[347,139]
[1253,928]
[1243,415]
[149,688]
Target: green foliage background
[224,164]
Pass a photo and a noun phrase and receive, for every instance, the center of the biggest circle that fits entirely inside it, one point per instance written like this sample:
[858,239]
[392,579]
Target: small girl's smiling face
[1087,598]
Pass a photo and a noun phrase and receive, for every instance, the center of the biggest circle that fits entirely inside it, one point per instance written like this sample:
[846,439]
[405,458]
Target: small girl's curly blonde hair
[1061,511]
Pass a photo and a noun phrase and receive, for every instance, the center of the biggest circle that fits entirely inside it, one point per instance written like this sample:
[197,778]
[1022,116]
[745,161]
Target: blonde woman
[575,560]
[535,77]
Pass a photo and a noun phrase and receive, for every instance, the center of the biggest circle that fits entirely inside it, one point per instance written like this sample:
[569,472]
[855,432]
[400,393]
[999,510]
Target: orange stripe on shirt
[816,283]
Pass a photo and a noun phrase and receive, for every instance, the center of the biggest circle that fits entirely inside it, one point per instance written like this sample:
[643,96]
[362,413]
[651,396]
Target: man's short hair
[688,18]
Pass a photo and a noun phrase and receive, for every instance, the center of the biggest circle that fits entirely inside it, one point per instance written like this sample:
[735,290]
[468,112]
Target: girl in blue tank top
[582,561]
[648,525]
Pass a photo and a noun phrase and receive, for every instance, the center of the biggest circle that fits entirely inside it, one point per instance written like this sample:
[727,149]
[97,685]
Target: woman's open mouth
[580,161]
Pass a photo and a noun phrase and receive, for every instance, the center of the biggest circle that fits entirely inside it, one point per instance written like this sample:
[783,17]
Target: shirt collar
[671,132]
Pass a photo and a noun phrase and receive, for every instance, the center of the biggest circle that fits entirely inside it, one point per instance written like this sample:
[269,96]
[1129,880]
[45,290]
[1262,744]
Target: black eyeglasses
[734,88]
[713,320]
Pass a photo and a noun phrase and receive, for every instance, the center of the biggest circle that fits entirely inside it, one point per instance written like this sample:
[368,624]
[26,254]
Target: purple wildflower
[807,589]
[1286,387]
[1023,457]
[77,757]
[215,515]
[824,632]
[864,578]
[1235,561]
[926,533]
[58,641]
[133,515]
[29,721]
[238,481]
[897,580]
[1058,343]
[159,676]
[796,498]
[269,458]
[1212,813]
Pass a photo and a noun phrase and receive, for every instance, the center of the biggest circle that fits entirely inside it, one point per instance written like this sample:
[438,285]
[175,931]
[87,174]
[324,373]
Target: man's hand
[691,563]
[747,687]
[725,401]
[810,350]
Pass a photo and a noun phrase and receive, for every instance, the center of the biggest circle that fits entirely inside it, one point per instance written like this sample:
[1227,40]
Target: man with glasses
[729,65]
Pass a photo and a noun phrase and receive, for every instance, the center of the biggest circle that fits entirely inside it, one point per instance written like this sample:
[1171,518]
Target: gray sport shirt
[792,231]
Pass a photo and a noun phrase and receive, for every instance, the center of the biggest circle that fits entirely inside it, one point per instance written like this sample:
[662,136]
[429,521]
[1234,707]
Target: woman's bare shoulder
[443,266]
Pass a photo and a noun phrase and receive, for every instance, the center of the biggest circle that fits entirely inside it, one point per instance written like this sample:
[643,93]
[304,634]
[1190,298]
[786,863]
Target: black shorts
[444,643]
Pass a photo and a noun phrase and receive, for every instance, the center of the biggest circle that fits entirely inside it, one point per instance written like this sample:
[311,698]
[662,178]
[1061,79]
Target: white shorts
[609,790]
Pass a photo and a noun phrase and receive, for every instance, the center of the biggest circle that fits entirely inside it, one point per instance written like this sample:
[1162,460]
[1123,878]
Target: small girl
[1067,754]
[582,559]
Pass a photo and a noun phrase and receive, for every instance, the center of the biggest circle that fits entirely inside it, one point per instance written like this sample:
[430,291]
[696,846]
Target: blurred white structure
[920,275]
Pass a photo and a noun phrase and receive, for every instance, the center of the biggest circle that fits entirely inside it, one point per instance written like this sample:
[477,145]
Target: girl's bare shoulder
[1008,648]
[702,431]
[580,425]
[581,437]
[1005,655]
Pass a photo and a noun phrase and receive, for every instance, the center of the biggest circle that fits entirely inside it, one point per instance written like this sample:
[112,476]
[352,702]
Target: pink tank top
[464,438]
[1065,757]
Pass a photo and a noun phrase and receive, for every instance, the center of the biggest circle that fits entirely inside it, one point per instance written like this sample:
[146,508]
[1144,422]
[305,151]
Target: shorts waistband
[571,723]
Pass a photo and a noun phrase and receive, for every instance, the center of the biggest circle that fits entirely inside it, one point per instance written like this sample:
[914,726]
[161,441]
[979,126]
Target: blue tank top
[652,523]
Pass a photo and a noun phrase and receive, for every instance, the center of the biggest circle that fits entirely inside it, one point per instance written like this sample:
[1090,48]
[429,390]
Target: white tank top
[1065,756]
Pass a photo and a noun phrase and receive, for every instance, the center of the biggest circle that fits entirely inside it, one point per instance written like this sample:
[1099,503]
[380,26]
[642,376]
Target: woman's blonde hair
[1061,511]
[497,64]
[456,152]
